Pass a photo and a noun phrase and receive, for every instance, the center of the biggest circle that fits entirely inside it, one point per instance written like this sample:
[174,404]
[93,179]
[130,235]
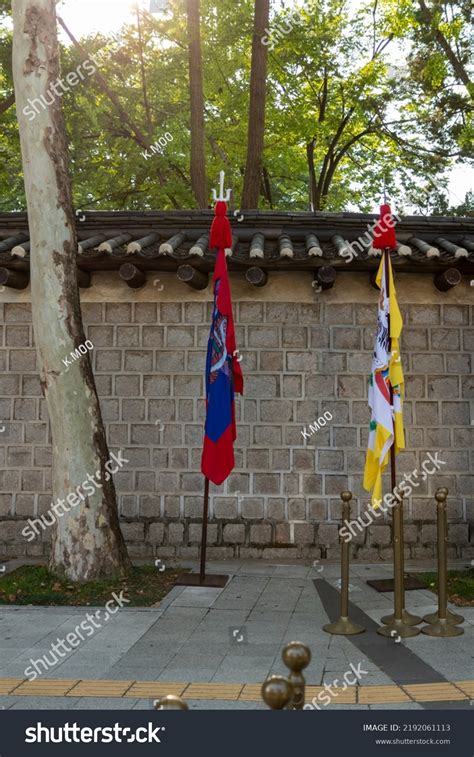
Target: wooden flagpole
[213,579]
[401,622]
[205,515]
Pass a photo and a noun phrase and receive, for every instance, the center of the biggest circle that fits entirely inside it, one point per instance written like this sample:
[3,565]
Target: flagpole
[401,622]
[409,618]
[212,467]
[205,514]
[213,580]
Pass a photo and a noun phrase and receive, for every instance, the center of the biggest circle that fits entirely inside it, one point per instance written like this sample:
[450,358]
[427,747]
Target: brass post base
[343,627]
[398,628]
[442,628]
[451,617]
[407,617]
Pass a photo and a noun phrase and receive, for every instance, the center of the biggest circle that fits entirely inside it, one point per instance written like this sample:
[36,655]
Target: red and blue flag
[223,372]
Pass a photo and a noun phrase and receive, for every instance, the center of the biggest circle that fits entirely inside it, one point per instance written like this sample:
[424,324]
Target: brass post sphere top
[277,692]
[296,656]
[346,496]
[441,494]
[171,702]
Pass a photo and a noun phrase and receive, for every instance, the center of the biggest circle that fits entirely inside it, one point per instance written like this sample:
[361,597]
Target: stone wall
[301,357]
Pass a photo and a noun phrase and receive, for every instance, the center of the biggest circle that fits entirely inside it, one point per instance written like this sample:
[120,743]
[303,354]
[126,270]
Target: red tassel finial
[221,232]
[384,231]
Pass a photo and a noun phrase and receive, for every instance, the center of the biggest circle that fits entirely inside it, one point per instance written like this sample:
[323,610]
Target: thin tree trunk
[443,42]
[196,96]
[256,127]
[87,541]
[313,186]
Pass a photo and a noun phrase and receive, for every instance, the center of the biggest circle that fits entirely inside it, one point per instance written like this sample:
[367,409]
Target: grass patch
[460,585]
[35,585]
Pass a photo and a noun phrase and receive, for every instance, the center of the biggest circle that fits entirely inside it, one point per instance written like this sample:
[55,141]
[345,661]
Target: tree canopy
[357,97]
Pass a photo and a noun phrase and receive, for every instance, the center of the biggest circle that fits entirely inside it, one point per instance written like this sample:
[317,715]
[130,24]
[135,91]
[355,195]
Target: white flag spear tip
[222,197]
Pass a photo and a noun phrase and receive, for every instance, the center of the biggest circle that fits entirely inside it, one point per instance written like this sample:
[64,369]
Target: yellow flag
[386,385]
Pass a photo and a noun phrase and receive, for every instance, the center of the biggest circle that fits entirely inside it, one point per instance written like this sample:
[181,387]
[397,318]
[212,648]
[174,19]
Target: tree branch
[6,104]
[456,63]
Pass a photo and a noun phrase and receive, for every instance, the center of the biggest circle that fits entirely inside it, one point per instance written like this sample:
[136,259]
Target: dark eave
[270,240]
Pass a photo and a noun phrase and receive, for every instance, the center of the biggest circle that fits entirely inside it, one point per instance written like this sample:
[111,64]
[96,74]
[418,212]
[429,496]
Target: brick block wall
[300,359]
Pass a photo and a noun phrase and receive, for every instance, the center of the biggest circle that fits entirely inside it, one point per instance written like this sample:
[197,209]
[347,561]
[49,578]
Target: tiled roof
[162,240]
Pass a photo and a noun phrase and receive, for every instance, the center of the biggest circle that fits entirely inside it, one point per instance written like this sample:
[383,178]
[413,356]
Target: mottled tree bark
[196,97]
[87,541]
[256,127]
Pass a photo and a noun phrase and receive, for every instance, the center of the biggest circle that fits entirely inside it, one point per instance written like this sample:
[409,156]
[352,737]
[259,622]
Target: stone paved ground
[236,635]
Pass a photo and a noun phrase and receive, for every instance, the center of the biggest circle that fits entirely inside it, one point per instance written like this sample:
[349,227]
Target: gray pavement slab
[236,634]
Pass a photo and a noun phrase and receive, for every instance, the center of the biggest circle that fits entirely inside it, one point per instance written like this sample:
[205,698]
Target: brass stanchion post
[170,702]
[398,626]
[451,617]
[344,626]
[407,617]
[297,657]
[277,692]
[442,627]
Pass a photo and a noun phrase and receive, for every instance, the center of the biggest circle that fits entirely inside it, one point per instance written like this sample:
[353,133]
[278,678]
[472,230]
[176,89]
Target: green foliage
[331,84]
[460,585]
[35,585]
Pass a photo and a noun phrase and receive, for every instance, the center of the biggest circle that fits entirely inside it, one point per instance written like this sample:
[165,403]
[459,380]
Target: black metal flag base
[202,578]
[212,580]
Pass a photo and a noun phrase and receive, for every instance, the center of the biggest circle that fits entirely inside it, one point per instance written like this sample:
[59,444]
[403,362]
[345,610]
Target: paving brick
[118,312]
[280,312]
[327,534]
[455,315]
[179,336]
[144,312]
[234,533]
[153,336]
[92,312]
[263,336]
[424,314]
[17,312]
[156,533]
[101,336]
[260,534]
[138,360]
[346,338]
[252,508]
[127,336]
[175,533]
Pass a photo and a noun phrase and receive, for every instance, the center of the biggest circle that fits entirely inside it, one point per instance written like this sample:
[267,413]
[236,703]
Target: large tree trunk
[87,541]
[196,95]
[256,128]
